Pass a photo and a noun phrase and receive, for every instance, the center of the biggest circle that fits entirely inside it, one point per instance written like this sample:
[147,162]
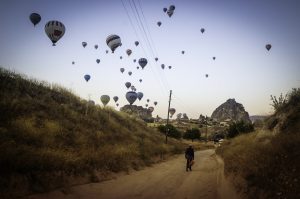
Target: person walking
[189,156]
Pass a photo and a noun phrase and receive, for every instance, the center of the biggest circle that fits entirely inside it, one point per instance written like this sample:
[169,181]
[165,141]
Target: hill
[265,164]
[50,138]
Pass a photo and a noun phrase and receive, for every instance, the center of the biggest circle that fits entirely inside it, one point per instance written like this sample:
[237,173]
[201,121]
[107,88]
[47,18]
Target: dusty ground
[165,180]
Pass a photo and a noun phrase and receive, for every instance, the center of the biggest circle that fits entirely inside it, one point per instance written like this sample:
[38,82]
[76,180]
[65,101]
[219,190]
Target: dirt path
[165,180]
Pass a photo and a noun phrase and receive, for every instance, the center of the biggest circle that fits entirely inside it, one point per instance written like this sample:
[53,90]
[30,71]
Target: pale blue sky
[236,33]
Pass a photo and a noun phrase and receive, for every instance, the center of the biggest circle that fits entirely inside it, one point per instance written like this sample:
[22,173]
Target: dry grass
[47,135]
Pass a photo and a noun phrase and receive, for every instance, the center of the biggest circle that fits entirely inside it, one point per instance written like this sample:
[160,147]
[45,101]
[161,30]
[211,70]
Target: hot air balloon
[159,23]
[172,111]
[151,109]
[116,98]
[127,84]
[98,61]
[106,51]
[140,95]
[268,46]
[117,104]
[143,62]
[35,18]
[105,99]
[140,80]
[121,57]
[137,67]
[182,52]
[146,105]
[155,103]
[122,70]
[170,67]
[54,30]
[87,77]
[206,75]
[84,44]
[134,60]
[170,13]
[202,30]
[73,62]
[113,42]
[172,7]
[156,59]
[128,52]
[214,58]
[96,46]
[163,66]
[148,100]
[129,73]
[131,96]
[165,9]
[132,88]
[136,43]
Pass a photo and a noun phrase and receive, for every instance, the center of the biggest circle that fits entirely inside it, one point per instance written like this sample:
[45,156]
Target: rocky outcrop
[231,111]
[139,111]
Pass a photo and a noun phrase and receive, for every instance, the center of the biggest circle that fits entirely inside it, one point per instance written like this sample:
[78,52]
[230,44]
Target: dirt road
[165,180]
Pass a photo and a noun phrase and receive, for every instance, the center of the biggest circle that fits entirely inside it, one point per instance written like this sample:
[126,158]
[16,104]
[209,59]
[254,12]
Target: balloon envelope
[128,52]
[35,18]
[98,61]
[159,23]
[116,98]
[87,77]
[202,30]
[54,30]
[140,95]
[268,46]
[84,44]
[105,99]
[136,43]
[127,84]
[96,46]
[163,66]
[113,42]
[122,70]
[131,96]
[143,62]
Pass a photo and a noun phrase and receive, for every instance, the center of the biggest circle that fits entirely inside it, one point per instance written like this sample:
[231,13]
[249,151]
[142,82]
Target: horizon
[235,33]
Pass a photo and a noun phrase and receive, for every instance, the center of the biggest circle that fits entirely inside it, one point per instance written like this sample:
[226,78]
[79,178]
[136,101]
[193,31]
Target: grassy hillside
[48,135]
[266,163]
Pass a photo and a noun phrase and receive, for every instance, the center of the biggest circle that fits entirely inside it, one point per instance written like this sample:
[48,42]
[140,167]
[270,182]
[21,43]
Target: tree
[239,127]
[192,134]
[172,130]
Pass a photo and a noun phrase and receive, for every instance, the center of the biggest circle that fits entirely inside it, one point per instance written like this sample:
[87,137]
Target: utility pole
[206,129]
[167,130]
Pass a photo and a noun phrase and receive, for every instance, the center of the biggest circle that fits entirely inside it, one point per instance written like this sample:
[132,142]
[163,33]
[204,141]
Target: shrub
[239,127]
[172,130]
[192,134]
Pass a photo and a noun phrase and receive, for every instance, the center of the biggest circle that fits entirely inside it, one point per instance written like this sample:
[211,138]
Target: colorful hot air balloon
[159,23]
[132,88]
[163,66]
[117,104]
[182,52]
[84,44]
[131,96]
[116,98]
[128,52]
[148,100]
[165,9]
[214,58]
[156,59]
[136,43]
[87,77]
[172,7]
[172,111]
[127,84]
[155,103]
[113,42]
[170,67]
[140,95]
[96,46]
[146,105]
[98,61]
[143,62]
[202,30]
[137,67]
[122,70]
[106,51]
[170,13]
[35,18]
[121,57]
[268,46]
[140,80]
[134,60]
[129,73]
[73,62]
[105,99]
[206,75]
[54,30]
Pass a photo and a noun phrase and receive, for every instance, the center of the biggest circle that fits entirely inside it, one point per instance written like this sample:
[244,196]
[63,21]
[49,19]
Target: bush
[238,128]
[172,131]
[192,134]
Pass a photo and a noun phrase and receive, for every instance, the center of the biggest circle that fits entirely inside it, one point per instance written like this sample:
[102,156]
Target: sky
[236,32]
